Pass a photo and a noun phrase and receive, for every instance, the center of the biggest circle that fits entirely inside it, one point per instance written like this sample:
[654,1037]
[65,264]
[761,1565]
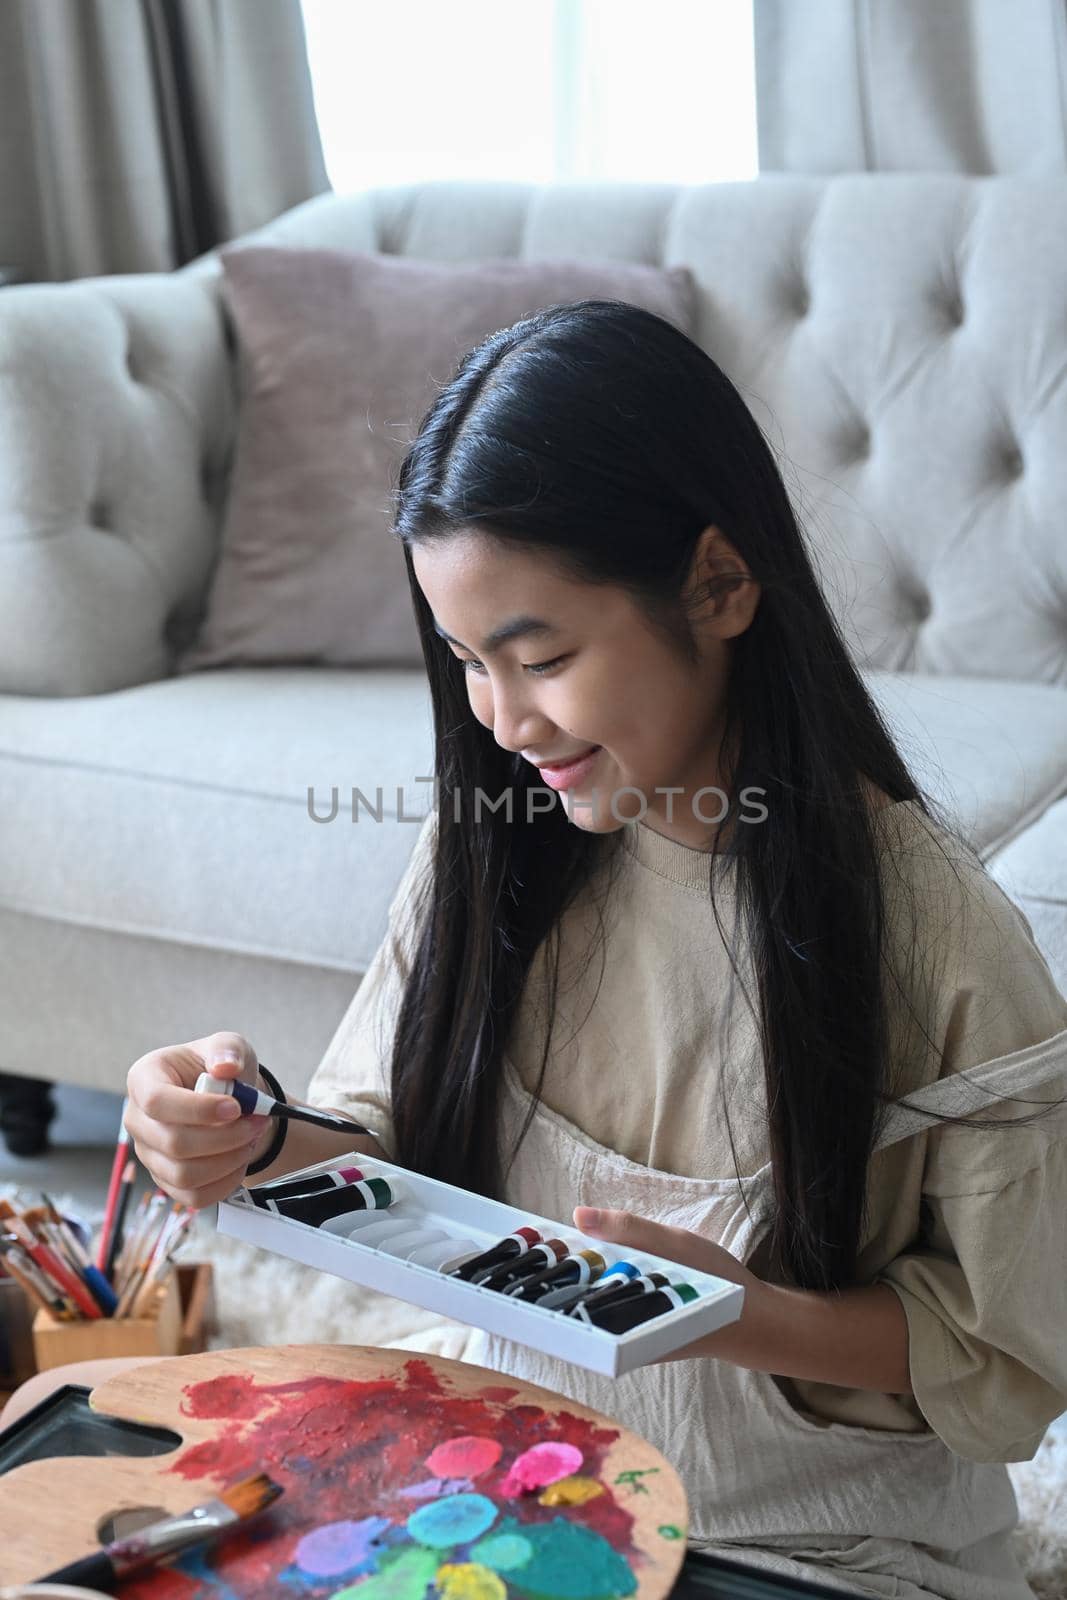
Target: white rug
[265,1299]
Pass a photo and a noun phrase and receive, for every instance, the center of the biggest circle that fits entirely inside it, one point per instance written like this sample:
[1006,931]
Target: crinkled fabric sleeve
[985,1294]
[353,1075]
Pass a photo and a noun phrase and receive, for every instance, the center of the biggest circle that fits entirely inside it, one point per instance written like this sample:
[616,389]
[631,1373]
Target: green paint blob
[567,1562]
[405,1577]
[669,1531]
[503,1552]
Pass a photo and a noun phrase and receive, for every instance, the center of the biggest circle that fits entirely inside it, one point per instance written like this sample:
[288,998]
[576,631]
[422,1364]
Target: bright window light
[538,91]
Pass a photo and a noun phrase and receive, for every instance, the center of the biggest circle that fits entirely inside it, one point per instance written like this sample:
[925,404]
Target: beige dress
[886,1495]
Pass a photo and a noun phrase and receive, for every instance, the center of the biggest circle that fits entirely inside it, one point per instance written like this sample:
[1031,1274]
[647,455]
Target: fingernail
[229,1056]
[227,1110]
[593,1217]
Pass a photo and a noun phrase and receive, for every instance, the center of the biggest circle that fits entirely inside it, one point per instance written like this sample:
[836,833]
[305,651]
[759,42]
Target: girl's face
[576,669]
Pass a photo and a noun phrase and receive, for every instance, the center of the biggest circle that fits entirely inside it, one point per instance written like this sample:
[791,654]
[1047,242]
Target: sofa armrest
[116,425]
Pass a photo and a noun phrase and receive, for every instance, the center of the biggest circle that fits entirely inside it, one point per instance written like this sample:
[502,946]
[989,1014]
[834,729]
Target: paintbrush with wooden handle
[170,1537]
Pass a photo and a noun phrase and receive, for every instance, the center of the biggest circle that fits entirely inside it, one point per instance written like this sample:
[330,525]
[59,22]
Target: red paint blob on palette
[393,1482]
[466,1457]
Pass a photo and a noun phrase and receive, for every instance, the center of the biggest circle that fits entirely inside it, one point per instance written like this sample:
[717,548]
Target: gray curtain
[976,86]
[136,134]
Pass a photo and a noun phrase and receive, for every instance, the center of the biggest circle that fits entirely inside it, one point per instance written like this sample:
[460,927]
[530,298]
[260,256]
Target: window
[534,90]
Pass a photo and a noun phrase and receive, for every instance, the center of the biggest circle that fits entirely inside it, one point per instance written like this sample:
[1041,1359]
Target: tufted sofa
[900,339]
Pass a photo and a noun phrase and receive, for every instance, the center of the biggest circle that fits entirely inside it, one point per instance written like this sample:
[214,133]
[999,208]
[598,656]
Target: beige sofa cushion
[178,811]
[340,355]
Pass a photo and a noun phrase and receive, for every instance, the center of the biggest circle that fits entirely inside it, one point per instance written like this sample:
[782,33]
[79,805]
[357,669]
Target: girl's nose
[518,726]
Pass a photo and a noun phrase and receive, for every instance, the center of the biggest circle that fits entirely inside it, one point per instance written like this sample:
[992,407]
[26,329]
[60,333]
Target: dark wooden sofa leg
[26,1110]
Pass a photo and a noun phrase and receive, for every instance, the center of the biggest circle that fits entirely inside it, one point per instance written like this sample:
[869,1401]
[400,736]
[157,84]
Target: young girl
[682,953]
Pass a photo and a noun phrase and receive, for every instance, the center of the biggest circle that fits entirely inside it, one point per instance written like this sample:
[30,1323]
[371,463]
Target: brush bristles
[251,1495]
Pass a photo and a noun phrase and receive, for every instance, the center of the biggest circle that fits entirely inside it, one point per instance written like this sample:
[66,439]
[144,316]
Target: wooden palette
[405,1476]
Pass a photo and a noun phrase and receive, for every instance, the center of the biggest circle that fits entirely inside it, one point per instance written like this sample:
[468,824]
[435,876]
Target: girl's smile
[563,775]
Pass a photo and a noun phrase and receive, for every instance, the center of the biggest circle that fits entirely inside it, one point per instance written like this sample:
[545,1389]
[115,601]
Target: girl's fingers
[199,1182]
[679,1245]
[217,1191]
[227,1055]
[161,1101]
[180,1141]
[637,1233]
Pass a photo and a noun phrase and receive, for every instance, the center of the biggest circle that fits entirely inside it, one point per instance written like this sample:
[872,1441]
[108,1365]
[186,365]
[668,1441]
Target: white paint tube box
[430,1205]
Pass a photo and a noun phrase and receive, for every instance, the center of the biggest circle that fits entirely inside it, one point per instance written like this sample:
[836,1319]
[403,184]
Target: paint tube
[369,1194]
[646,1307]
[582,1267]
[611,1294]
[565,1299]
[535,1260]
[289,1188]
[516,1244]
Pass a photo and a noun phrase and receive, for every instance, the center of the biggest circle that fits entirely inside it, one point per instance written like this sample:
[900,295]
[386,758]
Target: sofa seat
[169,880]
[992,751]
[169,867]
[178,810]
[1032,871]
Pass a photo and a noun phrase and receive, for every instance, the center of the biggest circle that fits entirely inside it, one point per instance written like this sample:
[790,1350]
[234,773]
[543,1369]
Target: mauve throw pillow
[340,355]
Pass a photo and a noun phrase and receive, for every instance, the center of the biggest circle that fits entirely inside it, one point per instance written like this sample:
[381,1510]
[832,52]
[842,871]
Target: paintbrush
[64,1238]
[117,1230]
[53,1267]
[162,1258]
[173,1536]
[153,1232]
[254,1103]
[41,1290]
[118,1163]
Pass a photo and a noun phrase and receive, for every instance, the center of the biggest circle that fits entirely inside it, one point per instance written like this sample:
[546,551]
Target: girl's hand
[196,1146]
[622,1228]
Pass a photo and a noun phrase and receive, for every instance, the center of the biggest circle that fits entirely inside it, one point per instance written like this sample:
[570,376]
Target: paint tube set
[482,1262]
[525,1264]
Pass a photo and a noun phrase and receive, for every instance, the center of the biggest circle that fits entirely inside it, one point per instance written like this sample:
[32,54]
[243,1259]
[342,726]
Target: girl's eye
[538,668]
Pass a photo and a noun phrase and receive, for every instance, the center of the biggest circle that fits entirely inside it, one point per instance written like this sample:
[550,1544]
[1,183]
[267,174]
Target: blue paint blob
[196,1564]
[503,1552]
[454,1519]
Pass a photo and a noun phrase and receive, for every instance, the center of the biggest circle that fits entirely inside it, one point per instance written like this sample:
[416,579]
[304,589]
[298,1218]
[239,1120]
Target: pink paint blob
[539,1466]
[467,1456]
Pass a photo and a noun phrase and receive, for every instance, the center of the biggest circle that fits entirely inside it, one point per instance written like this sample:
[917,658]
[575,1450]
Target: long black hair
[603,437]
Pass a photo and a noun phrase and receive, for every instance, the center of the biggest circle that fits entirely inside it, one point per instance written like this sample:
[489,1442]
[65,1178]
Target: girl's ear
[721,593]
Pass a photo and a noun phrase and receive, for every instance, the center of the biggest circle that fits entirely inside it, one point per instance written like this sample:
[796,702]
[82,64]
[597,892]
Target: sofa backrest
[900,339]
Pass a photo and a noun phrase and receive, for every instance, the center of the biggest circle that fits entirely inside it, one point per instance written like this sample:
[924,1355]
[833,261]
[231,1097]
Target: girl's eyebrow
[516,628]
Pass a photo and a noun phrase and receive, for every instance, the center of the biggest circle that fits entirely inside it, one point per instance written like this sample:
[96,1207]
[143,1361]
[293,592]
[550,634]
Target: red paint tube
[516,1244]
